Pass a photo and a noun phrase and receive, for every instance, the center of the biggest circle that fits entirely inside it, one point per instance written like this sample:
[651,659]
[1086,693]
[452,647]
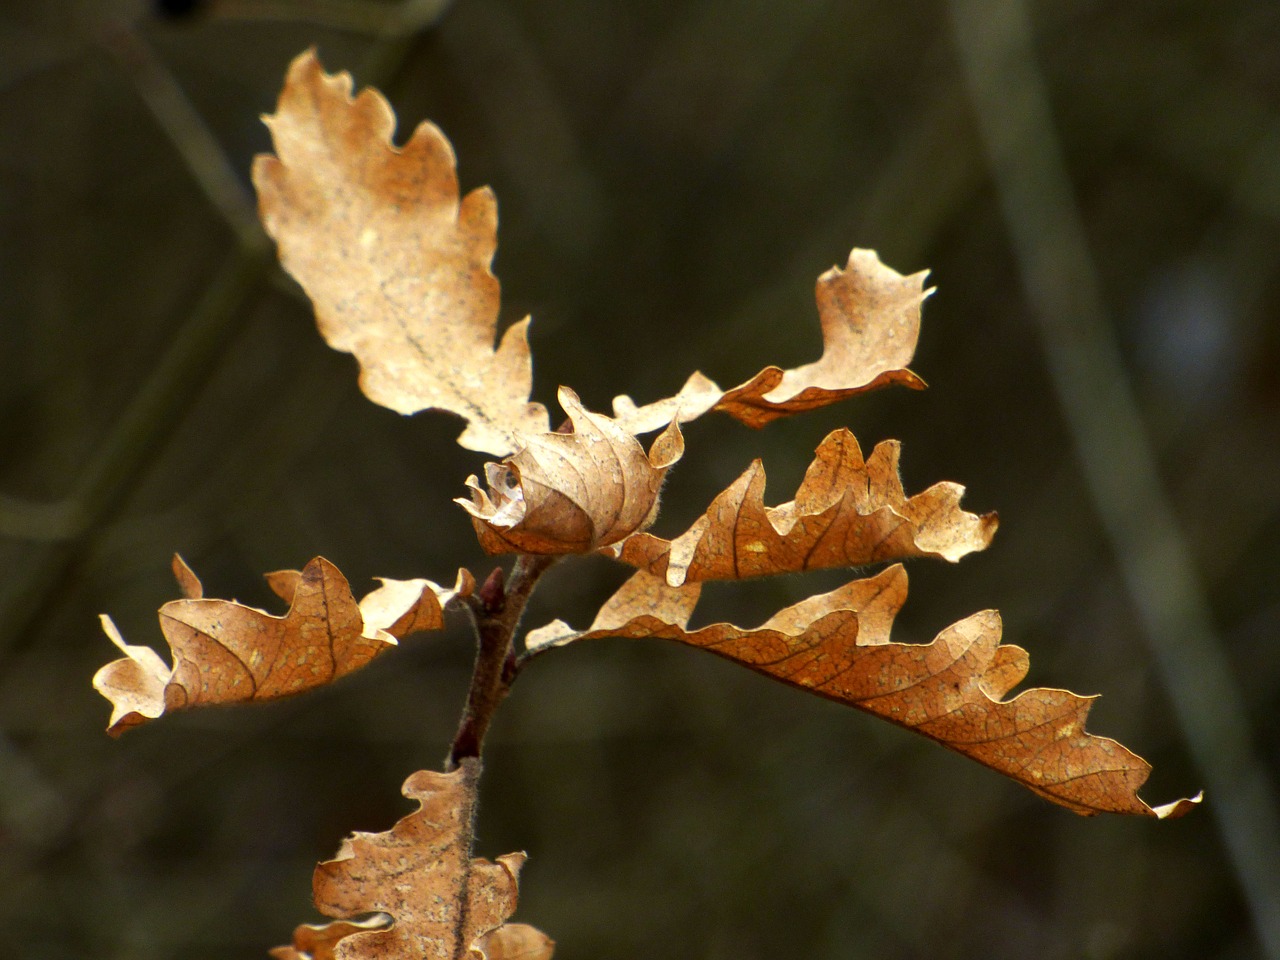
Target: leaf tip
[1179,808]
[134,685]
[188,582]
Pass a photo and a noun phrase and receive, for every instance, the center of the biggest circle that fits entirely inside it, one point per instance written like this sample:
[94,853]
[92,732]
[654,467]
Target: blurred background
[1096,190]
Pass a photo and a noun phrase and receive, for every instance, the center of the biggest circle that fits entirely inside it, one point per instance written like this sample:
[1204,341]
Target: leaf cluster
[396,262]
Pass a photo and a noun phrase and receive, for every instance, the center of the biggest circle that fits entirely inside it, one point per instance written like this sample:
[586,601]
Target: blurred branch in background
[995,43]
[156,409]
[174,113]
[355,16]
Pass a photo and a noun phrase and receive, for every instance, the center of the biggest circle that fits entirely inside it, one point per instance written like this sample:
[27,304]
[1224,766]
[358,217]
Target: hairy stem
[495,612]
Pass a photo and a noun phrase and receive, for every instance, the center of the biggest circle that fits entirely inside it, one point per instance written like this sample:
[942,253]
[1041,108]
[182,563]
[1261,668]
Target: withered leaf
[511,941]
[317,941]
[400,607]
[440,902]
[951,690]
[572,492]
[848,512]
[226,652]
[870,316]
[515,941]
[398,268]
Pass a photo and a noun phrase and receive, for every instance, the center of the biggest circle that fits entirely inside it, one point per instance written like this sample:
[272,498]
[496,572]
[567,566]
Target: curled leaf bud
[572,492]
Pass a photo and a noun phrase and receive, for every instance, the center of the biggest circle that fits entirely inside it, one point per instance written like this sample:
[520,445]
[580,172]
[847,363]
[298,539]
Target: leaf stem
[495,613]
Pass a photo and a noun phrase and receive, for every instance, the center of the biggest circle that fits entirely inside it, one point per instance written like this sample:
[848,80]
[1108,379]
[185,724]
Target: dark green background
[671,177]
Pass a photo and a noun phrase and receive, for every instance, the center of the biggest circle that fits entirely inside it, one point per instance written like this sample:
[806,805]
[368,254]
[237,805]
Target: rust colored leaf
[439,902]
[572,492]
[226,652]
[398,268]
[951,690]
[190,584]
[848,512]
[870,316]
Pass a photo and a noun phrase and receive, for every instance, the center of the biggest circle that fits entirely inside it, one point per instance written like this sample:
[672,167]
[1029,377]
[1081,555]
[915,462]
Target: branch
[495,609]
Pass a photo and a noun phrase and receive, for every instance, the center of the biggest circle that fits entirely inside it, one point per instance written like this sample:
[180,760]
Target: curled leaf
[398,268]
[135,685]
[226,652]
[848,512]
[400,607]
[439,902]
[514,941]
[317,941]
[571,492]
[951,690]
[870,316]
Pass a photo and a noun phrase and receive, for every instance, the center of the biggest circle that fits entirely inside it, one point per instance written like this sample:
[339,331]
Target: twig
[495,609]
[994,41]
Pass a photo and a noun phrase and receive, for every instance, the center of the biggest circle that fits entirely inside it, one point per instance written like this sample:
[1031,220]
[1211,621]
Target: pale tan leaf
[226,652]
[317,941]
[442,903]
[514,941]
[572,492]
[400,607]
[870,316]
[848,512]
[951,690]
[398,268]
[134,685]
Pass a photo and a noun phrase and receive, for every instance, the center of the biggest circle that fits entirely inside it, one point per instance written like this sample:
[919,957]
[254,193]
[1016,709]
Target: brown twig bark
[495,610]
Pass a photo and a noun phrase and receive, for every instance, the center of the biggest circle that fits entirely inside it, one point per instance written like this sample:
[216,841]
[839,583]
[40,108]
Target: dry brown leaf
[440,902]
[316,941]
[515,941]
[848,512]
[226,652]
[870,316]
[511,941]
[400,607]
[572,492]
[951,690]
[397,268]
[190,584]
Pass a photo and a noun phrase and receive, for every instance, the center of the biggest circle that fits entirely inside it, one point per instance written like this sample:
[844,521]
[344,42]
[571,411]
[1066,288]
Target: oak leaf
[397,267]
[951,690]
[847,512]
[226,652]
[572,492]
[870,316]
[400,607]
[317,941]
[439,902]
[515,941]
